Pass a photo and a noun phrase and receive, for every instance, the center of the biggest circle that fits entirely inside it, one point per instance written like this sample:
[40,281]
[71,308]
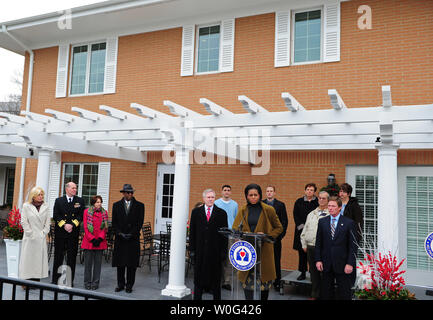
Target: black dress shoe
[128,290]
[118,289]
[301,277]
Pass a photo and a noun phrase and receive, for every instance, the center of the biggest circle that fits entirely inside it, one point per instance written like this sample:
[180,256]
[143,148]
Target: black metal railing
[47,287]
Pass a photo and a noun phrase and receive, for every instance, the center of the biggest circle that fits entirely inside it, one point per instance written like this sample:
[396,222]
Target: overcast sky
[11,63]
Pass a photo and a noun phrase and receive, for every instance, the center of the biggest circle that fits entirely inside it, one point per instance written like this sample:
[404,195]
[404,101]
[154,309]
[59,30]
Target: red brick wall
[396,52]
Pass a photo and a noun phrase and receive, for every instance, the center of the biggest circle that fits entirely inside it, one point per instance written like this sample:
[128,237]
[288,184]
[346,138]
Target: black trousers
[69,246]
[314,273]
[302,266]
[216,291]
[249,295]
[277,258]
[130,277]
[343,282]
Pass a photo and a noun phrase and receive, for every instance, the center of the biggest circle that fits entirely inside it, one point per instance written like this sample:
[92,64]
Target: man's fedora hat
[127,188]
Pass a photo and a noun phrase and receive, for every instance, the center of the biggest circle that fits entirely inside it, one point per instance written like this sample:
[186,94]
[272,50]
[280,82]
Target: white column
[387,215]
[176,277]
[43,173]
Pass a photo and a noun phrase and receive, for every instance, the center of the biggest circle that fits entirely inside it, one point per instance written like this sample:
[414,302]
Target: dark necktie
[333,227]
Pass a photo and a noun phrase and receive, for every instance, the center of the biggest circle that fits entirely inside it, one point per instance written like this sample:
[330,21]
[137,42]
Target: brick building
[147,52]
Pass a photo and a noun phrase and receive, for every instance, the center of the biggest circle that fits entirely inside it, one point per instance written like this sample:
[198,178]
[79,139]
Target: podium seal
[242,256]
[428,245]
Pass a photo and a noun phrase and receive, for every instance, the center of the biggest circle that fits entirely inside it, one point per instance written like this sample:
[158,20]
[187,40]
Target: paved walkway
[147,286]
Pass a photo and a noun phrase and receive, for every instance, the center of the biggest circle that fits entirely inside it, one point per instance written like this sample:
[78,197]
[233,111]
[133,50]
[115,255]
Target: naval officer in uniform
[67,214]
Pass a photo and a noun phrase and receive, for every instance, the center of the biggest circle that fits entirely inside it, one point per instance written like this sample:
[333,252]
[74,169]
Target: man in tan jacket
[308,240]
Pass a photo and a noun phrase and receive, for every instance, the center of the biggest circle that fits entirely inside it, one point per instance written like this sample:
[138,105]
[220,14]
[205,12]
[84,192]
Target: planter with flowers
[13,234]
[380,278]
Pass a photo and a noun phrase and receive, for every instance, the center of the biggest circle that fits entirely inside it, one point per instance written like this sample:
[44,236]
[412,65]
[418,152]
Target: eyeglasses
[128,192]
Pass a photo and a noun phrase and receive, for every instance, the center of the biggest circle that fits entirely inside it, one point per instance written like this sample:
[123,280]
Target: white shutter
[103,188]
[331,51]
[227,45]
[62,71]
[53,185]
[110,66]
[187,64]
[282,39]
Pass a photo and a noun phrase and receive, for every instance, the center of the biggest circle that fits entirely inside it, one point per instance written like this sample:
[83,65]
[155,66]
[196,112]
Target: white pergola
[238,137]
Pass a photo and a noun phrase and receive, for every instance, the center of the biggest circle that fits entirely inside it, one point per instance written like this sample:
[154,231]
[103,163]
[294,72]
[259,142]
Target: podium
[244,254]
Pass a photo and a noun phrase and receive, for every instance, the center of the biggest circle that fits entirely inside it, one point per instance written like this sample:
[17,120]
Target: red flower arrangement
[14,229]
[384,280]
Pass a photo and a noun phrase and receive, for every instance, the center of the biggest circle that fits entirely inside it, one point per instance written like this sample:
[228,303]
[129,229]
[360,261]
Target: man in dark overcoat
[280,209]
[127,220]
[207,246]
[303,206]
[67,214]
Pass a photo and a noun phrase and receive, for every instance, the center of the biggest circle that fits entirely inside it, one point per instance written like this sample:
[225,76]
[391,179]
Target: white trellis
[123,135]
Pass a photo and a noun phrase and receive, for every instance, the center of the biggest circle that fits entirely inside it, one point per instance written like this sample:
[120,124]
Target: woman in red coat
[95,222]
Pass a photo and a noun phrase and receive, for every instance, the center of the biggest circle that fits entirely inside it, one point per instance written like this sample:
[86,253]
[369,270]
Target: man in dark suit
[127,220]
[207,246]
[280,209]
[335,251]
[68,214]
[303,206]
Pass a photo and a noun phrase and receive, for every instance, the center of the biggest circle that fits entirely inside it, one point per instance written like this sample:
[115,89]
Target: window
[88,68]
[167,195]
[85,176]
[419,203]
[307,36]
[366,188]
[208,49]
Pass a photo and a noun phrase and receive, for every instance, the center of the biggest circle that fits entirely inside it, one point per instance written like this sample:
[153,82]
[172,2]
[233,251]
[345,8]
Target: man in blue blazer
[335,252]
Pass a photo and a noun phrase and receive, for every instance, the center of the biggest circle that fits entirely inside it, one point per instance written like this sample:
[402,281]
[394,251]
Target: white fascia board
[313,147]
[113,125]
[301,130]
[64,143]
[118,136]
[11,150]
[312,117]
[11,139]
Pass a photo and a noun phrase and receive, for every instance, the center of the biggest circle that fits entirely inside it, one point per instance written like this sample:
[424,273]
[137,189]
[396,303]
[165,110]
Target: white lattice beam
[251,106]
[291,103]
[214,108]
[336,101]
[179,110]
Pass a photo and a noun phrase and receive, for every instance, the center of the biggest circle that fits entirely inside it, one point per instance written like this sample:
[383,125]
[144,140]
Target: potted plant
[380,278]
[13,234]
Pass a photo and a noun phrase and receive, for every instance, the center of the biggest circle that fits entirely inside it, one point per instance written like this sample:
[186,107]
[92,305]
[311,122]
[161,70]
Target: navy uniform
[66,212]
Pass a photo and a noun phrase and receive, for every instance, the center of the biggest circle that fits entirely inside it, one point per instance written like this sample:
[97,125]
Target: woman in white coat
[35,219]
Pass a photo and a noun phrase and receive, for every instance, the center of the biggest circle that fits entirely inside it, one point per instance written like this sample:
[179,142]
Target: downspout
[29,98]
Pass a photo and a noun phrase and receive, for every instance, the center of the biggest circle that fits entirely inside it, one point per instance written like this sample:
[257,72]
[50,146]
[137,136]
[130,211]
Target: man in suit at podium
[335,253]
[68,214]
[207,247]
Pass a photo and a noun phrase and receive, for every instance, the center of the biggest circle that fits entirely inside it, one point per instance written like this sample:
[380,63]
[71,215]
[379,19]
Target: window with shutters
[307,36]
[208,49]
[87,69]
[419,204]
[85,176]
